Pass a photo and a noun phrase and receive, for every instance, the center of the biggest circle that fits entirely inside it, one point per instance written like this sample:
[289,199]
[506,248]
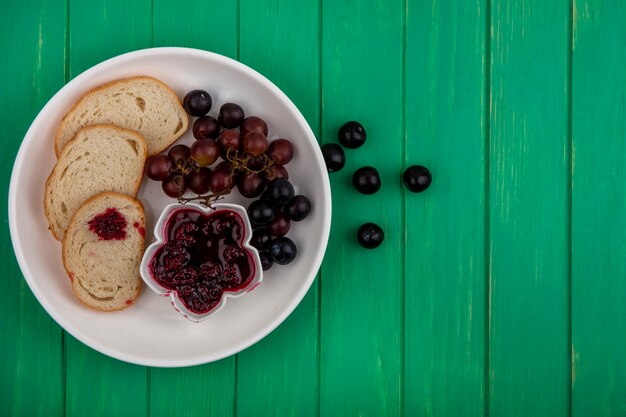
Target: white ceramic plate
[151,332]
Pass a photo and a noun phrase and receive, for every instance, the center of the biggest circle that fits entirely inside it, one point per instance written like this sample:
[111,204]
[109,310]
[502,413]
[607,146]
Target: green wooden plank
[279,375]
[33,44]
[529,200]
[207,389]
[209,25]
[98,31]
[361,291]
[598,207]
[445,307]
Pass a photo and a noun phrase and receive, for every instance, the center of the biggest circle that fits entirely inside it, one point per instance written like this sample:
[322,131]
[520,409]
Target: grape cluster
[248,160]
[245,159]
[271,216]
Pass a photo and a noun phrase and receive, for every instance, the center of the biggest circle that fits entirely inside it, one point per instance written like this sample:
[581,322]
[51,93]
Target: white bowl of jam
[201,257]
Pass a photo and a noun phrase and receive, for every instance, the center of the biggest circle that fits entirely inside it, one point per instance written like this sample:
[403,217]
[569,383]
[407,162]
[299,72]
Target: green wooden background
[500,291]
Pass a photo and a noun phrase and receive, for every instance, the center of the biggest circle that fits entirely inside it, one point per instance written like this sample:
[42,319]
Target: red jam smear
[109,225]
[140,229]
[203,257]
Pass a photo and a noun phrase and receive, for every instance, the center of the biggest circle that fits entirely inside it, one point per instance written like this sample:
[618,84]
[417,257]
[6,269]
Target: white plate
[151,332]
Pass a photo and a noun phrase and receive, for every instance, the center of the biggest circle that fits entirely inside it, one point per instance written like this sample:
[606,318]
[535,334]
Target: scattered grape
[206,127]
[417,178]
[366,180]
[352,135]
[231,115]
[197,102]
[334,157]
[370,235]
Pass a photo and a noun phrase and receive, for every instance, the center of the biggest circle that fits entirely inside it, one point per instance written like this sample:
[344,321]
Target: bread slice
[142,104]
[102,250]
[100,158]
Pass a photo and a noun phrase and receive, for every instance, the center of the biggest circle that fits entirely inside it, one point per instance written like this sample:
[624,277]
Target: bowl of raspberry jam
[201,257]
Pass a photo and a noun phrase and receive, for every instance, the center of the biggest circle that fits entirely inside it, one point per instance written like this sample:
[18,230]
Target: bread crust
[137,135]
[104,86]
[74,281]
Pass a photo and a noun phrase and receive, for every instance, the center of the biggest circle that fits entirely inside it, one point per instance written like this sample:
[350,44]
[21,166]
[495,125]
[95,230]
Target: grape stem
[207,199]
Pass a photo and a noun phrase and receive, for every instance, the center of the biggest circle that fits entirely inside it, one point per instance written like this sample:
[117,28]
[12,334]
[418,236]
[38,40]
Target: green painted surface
[598,207]
[498,292]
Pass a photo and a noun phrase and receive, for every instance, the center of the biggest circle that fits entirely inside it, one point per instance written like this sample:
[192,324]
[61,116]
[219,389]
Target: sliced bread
[99,158]
[142,104]
[102,250]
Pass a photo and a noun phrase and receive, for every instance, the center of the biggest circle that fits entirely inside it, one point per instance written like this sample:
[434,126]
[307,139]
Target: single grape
[158,167]
[283,250]
[370,235]
[251,185]
[197,180]
[266,260]
[174,185]
[276,171]
[229,139]
[206,127]
[253,124]
[280,225]
[298,208]
[352,135]
[222,178]
[334,157]
[261,212]
[197,102]
[255,143]
[281,151]
[261,239]
[205,152]
[279,191]
[231,115]
[179,154]
[417,178]
[366,180]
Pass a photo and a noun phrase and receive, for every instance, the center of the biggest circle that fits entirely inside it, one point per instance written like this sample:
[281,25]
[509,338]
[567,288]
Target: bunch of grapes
[243,158]
[238,144]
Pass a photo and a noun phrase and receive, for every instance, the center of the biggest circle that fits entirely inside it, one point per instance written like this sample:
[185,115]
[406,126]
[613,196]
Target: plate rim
[261,332]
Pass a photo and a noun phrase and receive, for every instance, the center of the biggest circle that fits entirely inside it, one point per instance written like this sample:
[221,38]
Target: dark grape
[251,185]
[256,163]
[283,250]
[222,178]
[280,225]
[231,115]
[298,208]
[253,124]
[255,143]
[179,154]
[205,152]
[281,151]
[279,191]
[366,180]
[417,178]
[229,139]
[261,239]
[334,157]
[158,167]
[370,235]
[276,171]
[352,135]
[197,180]
[261,212]
[197,102]
[206,127]
[174,185]
[266,260]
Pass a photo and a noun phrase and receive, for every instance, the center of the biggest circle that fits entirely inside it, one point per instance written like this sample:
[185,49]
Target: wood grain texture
[446,314]
[32,43]
[361,305]
[279,375]
[98,31]
[205,24]
[599,209]
[529,182]
[208,389]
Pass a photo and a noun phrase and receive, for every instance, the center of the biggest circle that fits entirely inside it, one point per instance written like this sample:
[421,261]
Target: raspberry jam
[109,225]
[202,257]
